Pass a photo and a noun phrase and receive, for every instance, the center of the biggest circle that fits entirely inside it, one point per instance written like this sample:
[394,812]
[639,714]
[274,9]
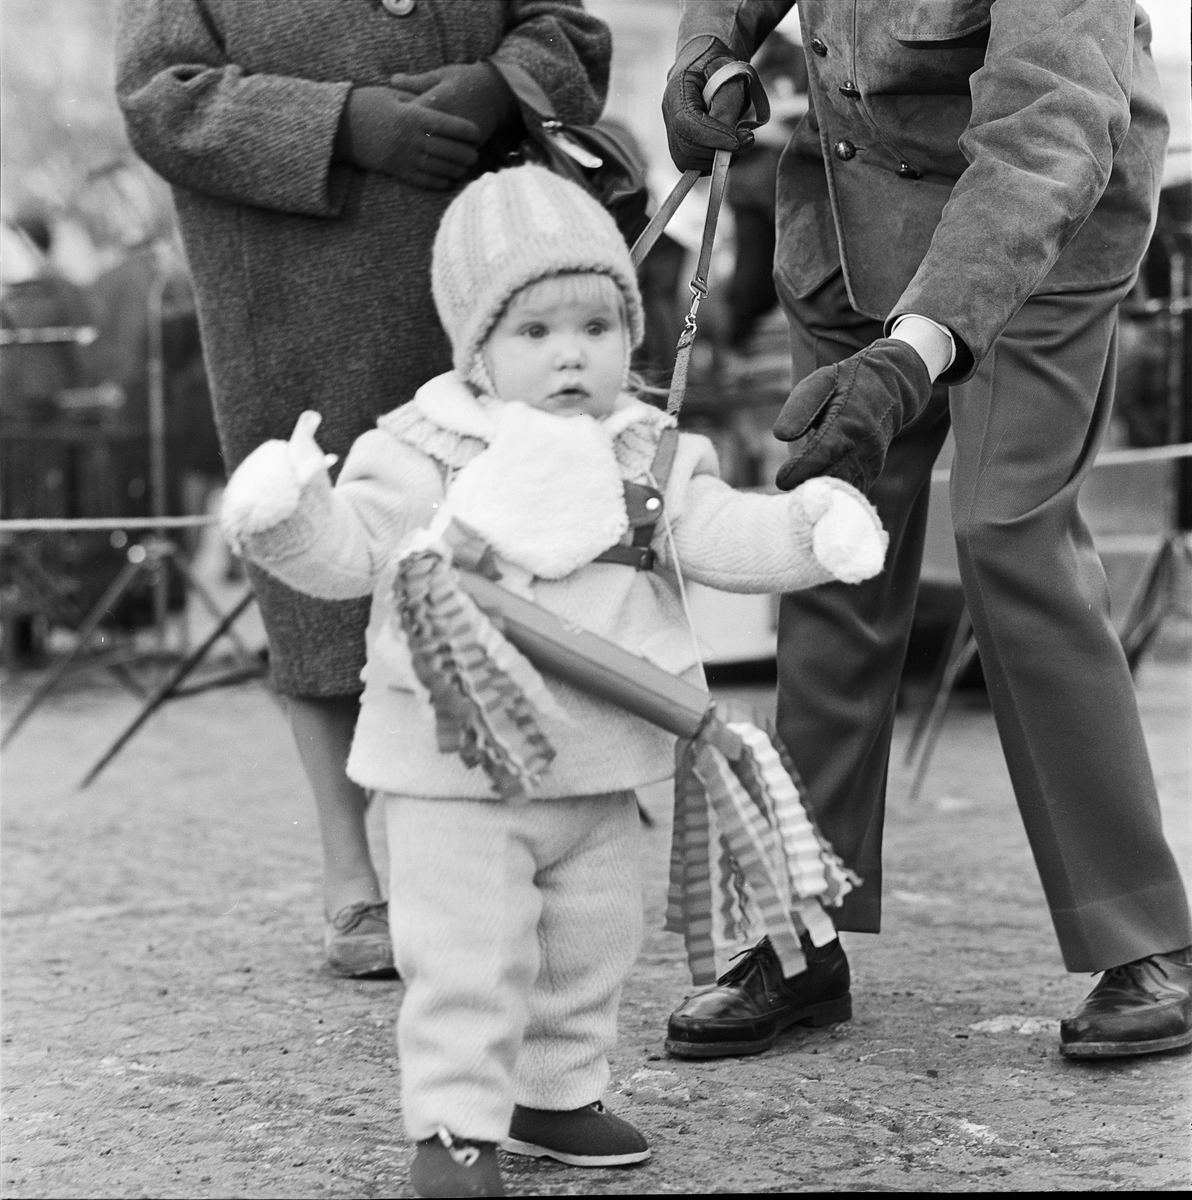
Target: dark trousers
[1027,427]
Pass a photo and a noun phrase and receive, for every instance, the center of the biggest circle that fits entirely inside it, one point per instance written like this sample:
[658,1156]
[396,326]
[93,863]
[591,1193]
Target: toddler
[515,924]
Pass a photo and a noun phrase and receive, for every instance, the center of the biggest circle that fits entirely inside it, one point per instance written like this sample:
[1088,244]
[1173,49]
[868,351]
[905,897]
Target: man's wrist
[932,341]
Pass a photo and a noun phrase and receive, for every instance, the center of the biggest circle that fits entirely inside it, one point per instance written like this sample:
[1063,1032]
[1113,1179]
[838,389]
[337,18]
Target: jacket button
[844,150]
[399,8]
[909,172]
[819,46]
[850,89]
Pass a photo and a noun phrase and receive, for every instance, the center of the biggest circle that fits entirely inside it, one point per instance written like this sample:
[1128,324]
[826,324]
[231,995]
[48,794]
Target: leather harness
[643,506]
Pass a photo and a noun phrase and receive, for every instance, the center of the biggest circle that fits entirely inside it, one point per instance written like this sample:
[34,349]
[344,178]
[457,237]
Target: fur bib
[546,494]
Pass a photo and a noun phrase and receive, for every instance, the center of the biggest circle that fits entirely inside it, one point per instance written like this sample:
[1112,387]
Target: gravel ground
[169,1029]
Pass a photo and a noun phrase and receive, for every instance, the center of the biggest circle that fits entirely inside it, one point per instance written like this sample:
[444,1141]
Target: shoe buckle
[464,1155]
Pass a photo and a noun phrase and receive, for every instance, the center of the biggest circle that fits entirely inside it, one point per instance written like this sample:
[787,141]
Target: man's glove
[380,131]
[841,419]
[474,91]
[693,133]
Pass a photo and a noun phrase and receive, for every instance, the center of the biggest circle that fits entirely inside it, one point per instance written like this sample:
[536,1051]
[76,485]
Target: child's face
[560,346]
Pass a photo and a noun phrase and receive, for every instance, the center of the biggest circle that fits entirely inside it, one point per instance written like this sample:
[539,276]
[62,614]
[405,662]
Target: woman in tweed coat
[308,193]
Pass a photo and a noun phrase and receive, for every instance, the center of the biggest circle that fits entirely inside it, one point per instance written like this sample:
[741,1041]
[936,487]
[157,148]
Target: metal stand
[155,554]
[962,649]
[172,688]
[1158,596]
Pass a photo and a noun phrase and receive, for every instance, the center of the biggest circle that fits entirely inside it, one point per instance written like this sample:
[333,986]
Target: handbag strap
[526,89]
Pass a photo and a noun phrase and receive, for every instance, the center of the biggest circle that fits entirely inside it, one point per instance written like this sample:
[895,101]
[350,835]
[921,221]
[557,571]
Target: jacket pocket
[670,649]
[936,20]
[389,662]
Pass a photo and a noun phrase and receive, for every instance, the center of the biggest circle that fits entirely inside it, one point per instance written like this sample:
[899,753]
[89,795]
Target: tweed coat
[313,277]
[961,155]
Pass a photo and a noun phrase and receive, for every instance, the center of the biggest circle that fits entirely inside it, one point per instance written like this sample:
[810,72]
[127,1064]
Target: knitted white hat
[509,229]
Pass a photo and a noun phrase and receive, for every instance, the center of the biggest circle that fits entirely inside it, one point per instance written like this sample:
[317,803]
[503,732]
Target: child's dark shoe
[357,942]
[449,1166]
[583,1137]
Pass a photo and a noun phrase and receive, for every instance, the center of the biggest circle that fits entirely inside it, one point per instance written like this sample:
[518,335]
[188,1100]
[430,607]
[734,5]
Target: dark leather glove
[474,91]
[380,131]
[841,419]
[693,133]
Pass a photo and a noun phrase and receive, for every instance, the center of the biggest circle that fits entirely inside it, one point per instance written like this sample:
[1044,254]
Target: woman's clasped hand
[416,143]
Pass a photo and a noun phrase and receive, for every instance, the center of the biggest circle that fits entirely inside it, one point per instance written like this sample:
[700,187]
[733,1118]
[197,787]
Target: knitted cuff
[295,533]
[840,528]
[261,492]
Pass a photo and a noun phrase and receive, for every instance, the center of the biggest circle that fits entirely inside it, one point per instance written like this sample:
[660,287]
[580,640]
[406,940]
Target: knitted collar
[449,403]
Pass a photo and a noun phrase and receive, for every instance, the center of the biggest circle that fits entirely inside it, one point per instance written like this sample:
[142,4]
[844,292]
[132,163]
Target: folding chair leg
[961,630]
[208,601]
[86,631]
[167,688]
[957,665]
[1145,612]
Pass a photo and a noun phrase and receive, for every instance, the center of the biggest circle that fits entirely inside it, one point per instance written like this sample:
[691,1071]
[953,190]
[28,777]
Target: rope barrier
[1108,458]
[101,524]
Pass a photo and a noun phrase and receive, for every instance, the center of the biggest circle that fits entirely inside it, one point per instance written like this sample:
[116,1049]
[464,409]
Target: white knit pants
[513,929]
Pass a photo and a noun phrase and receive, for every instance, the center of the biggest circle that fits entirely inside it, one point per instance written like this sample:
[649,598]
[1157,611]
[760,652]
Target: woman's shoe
[581,1137]
[445,1165]
[357,941]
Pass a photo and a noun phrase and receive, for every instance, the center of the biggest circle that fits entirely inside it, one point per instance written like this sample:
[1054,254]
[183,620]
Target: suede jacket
[961,155]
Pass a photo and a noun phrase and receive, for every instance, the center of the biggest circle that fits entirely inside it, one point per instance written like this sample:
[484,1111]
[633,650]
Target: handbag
[598,159]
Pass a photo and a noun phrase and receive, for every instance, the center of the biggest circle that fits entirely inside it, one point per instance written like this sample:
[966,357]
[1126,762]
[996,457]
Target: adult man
[977,182]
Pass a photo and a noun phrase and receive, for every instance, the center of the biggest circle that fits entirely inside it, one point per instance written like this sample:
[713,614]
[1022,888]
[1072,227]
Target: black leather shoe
[1142,1007]
[752,1003]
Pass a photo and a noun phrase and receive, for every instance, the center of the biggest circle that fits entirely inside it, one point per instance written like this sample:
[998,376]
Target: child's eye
[596,328]
[536,331]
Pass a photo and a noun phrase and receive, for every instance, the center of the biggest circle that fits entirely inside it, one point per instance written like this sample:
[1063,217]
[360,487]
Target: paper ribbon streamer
[758,819]
[737,796]
[486,697]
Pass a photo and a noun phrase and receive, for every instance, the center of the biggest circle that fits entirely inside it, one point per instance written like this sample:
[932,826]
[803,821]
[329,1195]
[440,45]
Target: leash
[755,802]
[639,554]
[668,208]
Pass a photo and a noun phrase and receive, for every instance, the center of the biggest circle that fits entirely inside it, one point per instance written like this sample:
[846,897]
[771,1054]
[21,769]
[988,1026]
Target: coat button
[909,172]
[819,46]
[850,89]
[399,8]
[844,150]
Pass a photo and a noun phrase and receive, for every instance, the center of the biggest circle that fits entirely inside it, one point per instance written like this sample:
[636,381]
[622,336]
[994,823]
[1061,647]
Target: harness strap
[644,506]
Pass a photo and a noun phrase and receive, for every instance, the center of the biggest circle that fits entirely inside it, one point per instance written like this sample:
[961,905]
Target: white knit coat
[340,542]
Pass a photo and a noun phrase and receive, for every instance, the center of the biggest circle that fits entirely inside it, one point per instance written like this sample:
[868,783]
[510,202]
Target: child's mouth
[571,395]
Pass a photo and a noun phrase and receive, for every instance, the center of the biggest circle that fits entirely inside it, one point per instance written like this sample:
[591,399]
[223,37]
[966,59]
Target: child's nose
[570,353]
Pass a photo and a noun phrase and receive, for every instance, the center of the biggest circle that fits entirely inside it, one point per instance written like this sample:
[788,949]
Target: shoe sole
[531,1150]
[365,970]
[827,1012]
[1124,1049]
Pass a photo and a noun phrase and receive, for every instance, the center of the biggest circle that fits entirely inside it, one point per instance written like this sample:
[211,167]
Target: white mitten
[265,488]
[847,536]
